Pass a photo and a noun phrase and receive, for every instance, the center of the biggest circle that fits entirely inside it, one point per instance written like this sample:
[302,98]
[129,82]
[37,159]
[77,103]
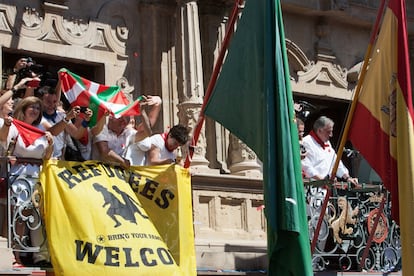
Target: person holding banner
[29,111]
[136,151]
[117,140]
[163,145]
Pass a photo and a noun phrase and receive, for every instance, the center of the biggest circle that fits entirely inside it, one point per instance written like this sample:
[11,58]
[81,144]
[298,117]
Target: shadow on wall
[252,259]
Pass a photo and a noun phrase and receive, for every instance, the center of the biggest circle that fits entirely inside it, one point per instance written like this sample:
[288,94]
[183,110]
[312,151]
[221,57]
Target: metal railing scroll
[346,227]
[23,215]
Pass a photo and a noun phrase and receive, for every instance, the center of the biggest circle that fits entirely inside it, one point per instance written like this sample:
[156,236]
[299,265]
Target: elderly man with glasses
[320,156]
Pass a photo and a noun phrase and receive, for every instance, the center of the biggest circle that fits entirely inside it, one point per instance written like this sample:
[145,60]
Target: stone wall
[229,223]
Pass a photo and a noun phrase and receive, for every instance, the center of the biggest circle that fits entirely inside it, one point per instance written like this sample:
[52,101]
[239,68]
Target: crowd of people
[34,97]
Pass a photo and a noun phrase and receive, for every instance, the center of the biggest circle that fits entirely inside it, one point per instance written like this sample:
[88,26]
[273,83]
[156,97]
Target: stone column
[242,160]
[190,77]
[213,22]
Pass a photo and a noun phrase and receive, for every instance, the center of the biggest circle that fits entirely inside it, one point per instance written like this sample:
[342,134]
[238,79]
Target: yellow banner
[96,224]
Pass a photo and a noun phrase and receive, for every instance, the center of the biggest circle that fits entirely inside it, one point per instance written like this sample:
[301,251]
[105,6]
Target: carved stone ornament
[54,27]
[125,87]
[75,27]
[31,18]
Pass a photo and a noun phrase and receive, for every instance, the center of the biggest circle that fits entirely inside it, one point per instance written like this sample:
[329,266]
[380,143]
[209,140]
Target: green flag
[253,99]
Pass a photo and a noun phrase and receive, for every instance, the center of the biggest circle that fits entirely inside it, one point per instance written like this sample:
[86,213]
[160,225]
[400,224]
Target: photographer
[59,123]
[25,68]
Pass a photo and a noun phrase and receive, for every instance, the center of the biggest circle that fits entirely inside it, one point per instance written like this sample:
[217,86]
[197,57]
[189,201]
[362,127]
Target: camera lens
[302,149]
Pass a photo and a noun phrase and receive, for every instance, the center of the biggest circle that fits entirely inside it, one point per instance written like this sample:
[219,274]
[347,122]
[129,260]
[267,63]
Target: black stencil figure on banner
[125,210]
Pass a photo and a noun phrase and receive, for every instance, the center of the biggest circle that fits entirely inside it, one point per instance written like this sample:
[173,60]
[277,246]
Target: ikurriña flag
[99,98]
[382,124]
[253,99]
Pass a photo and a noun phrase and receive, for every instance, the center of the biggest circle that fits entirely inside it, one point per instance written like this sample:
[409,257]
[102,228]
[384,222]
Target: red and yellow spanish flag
[382,125]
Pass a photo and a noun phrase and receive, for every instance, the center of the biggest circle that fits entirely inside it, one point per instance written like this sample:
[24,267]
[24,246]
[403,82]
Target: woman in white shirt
[6,108]
[24,176]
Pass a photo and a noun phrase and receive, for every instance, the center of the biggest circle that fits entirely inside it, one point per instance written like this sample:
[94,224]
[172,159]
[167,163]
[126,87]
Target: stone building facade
[168,48]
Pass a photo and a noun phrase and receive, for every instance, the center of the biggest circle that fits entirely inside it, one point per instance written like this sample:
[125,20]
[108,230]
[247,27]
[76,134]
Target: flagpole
[344,137]
[213,79]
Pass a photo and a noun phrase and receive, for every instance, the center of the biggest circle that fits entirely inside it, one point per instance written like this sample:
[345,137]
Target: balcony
[230,225]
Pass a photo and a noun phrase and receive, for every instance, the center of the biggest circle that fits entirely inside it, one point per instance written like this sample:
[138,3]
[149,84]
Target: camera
[83,109]
[28,71]
[31,67]
[302,149]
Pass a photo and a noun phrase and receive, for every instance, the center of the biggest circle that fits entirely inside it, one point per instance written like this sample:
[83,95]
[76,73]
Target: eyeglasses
[34,107]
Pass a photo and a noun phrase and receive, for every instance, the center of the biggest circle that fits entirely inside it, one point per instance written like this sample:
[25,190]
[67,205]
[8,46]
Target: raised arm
[9,92]
[95,130]
[155,106]
[75,131]
[148,118]
[57,128]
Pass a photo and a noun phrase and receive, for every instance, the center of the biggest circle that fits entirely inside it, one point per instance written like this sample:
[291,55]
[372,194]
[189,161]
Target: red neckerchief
[165,137]
[84,139]
[318,140]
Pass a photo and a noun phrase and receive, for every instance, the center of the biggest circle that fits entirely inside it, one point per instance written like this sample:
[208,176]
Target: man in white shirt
[136,151]
[320,156]
[58,122]
[163,145]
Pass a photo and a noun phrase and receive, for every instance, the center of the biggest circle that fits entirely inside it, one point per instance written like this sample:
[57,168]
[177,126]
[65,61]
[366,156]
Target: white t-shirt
[60,139]
[136,152]
[117,143]
[35,151]
[158,141]
[85,149]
